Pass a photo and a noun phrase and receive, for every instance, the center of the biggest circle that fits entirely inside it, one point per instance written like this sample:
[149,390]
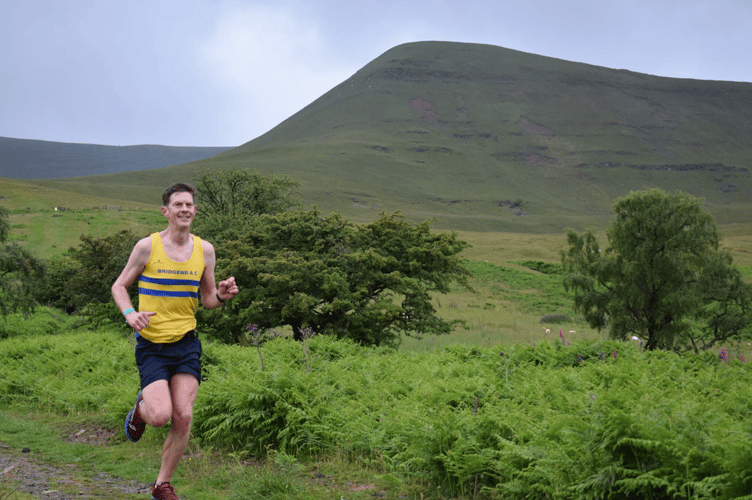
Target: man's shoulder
[145,242]
[208,251]
[205,244]
[143,246]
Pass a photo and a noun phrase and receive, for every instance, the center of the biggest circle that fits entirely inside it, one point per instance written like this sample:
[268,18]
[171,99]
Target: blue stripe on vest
[166,293]
[169,281]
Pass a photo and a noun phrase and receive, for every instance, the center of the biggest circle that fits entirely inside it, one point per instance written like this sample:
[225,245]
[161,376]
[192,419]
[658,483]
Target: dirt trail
[29,475]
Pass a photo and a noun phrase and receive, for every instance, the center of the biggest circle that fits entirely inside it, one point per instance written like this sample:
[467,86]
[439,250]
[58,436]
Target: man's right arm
[132,270]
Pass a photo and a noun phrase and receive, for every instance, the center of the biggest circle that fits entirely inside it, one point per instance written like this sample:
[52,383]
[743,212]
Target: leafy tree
[20,272]
[367,283]
[726,311]
[662,277]
[229,200]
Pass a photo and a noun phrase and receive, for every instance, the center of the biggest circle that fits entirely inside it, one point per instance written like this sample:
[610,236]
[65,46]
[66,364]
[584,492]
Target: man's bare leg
[183,389]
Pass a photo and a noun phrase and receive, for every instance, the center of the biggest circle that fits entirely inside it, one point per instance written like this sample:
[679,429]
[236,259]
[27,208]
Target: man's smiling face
[181,210]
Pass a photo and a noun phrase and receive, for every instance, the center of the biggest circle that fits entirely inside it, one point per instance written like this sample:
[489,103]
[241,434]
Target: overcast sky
[222,72]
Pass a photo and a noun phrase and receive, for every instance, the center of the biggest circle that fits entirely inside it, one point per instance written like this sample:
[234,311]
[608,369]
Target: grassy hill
[32,159]
[508,149]
[490,139]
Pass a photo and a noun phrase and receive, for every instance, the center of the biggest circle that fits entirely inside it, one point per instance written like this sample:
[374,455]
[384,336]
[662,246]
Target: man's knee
[159,418]
[182,416]
[157,406]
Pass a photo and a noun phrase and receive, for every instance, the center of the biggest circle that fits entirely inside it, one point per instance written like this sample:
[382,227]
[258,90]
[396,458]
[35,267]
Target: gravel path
[45,481]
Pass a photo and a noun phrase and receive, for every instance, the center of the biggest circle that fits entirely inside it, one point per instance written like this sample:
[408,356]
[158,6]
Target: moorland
[505,148]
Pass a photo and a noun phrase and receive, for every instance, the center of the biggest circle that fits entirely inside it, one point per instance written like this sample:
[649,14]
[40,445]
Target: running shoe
[164,491]
[134,424]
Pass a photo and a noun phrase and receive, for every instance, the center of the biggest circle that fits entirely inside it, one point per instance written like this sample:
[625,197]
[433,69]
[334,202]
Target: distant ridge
[35,159]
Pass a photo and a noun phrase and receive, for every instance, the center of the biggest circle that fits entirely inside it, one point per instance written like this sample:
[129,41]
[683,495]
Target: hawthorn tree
[368,283]
[229,200]
[661,278]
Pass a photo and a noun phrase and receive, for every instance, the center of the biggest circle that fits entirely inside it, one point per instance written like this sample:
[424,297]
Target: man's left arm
[213,295]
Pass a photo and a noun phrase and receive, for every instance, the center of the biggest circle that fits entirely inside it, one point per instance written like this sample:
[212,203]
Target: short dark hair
[176,187]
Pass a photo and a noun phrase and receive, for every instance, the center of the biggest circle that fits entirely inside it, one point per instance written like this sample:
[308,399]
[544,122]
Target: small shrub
[555,319]
[541,267]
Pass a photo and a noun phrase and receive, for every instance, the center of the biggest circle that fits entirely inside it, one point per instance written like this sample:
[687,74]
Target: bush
[542,267]
[555,319]
[84,275]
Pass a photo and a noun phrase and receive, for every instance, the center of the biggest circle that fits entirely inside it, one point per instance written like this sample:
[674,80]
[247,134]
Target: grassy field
[49,222]
[509,300]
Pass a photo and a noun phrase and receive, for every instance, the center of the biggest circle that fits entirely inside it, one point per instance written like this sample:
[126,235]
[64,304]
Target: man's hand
[138,320]
[227,289]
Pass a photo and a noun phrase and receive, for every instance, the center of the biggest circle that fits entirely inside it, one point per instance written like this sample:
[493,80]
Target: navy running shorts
[162,361]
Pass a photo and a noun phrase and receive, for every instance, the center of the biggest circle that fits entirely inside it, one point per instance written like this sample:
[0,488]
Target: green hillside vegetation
[505,148]
[466,134]
[558,419]
[510,299]
[490,139]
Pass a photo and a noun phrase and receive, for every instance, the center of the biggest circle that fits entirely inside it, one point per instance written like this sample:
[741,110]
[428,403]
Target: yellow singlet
[171,290]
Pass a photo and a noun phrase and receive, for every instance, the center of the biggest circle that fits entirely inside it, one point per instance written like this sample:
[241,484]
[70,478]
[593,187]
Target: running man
[171,267]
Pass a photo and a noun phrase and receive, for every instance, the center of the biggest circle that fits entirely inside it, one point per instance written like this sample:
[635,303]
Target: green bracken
[586,419]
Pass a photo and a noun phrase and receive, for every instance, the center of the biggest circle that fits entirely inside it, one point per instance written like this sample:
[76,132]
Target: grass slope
[457,130]
[49,221]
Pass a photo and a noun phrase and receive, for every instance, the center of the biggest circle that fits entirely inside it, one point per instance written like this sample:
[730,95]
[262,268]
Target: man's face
[181,210]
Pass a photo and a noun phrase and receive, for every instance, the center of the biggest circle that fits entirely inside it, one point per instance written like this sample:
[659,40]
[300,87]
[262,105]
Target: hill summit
[488,138]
